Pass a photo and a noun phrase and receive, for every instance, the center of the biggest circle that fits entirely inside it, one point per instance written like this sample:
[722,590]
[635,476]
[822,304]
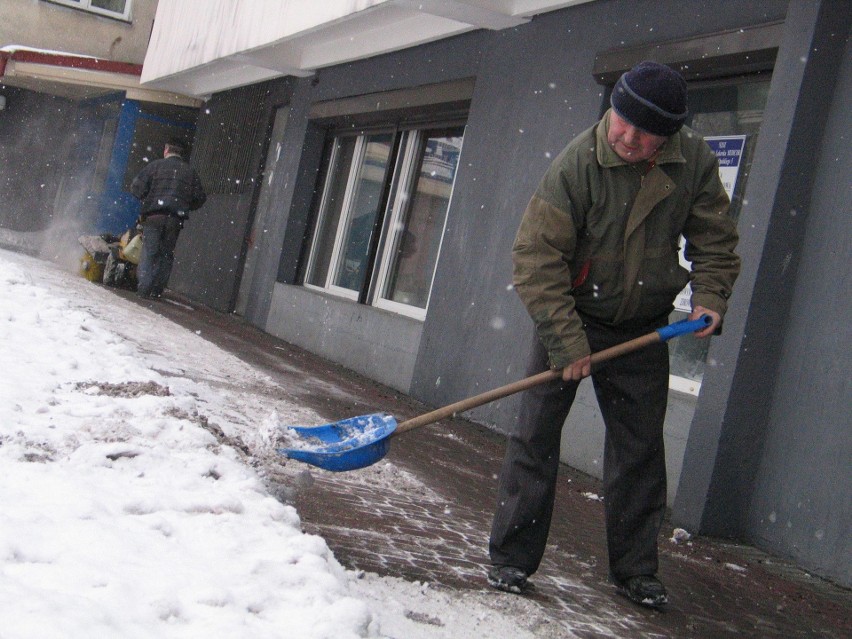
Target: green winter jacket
[600,236]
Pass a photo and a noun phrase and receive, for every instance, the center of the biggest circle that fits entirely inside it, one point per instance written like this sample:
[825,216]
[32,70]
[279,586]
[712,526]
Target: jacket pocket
[661,278]
[600,291]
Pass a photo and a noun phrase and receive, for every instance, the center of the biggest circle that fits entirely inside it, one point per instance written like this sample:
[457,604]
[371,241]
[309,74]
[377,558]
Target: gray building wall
[231,139]
[207,256]
[32,126]
[803,486]
[378,344]
[776,422]
[757,454]
[48,165]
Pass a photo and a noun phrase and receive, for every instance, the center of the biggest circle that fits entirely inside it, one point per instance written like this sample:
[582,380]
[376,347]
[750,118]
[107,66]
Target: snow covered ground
[126,514]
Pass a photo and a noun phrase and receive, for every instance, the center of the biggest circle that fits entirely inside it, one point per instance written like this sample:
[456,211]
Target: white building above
[198,49]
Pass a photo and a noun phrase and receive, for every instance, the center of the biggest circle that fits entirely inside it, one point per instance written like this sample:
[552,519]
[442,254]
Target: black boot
[507,579]
[646,590]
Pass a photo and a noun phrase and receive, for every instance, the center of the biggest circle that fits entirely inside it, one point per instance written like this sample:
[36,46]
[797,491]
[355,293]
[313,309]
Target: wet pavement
[433,526]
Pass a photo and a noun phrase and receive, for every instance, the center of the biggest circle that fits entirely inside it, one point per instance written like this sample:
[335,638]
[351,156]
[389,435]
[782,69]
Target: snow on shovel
[361,441]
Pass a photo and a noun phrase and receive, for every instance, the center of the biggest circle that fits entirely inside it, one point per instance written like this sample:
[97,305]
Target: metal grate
[226,138]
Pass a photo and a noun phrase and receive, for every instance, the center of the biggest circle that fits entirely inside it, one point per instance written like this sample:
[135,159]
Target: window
[382,214]
[720,109]
[111,8]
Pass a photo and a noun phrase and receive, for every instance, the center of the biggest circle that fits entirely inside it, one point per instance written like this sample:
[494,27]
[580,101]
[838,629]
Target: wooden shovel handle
[522,385]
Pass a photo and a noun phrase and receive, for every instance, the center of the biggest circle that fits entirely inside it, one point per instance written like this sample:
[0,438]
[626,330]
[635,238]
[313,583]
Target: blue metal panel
[118,209]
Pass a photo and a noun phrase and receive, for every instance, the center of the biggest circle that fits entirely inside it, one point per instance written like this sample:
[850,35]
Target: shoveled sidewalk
[433,527]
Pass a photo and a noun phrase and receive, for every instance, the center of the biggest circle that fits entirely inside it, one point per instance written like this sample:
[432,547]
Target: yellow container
[133,249]
[90,269]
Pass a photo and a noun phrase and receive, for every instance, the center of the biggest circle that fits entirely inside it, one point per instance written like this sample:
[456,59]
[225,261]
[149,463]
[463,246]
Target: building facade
[368,163]
[76,124]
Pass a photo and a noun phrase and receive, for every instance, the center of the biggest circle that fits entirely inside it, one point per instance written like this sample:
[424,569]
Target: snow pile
[679,535]
[121,516]
[131,506]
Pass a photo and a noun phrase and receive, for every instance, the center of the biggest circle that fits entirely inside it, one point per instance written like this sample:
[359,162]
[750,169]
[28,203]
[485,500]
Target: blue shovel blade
[345,445]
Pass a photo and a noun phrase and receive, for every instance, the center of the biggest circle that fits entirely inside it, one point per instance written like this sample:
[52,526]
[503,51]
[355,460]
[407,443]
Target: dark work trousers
[159,238]
[632,393]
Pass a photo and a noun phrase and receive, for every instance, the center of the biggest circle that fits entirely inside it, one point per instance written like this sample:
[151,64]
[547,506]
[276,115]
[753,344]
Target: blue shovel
[362,441]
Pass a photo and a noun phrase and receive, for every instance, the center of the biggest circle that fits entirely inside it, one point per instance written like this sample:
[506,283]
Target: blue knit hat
[652,97]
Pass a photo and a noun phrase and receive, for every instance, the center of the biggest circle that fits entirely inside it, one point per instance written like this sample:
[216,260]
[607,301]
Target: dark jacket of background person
[169,185]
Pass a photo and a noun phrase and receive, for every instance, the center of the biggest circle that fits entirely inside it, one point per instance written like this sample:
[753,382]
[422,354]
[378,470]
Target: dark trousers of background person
[159,238]
[632,392]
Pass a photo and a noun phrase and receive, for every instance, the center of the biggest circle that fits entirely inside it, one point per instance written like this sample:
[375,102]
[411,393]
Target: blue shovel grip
[683,327]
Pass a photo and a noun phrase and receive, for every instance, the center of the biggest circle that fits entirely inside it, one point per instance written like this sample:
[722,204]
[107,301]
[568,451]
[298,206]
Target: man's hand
[697,312]
[577,370]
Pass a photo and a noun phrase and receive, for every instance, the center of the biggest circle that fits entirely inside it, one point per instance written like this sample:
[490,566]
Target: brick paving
[423,514]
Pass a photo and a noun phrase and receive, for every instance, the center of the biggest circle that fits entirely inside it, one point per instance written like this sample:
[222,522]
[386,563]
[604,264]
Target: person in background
[168,188]
[596,264]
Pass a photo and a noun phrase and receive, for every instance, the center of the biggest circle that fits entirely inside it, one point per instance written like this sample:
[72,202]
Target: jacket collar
[607,158]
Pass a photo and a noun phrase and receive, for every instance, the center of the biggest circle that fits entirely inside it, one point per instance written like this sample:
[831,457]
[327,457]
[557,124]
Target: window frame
[345,222]
[409,142]
[316,236]
[401,183]
[86,5]
[345,212]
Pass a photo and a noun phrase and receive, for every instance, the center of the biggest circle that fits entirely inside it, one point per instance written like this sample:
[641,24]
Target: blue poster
[729,152]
